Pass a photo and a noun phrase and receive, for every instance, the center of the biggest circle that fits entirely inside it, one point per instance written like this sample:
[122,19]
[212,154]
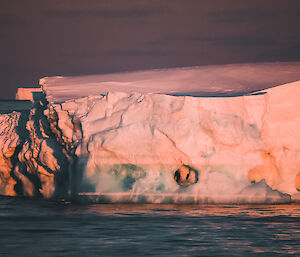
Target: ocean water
[49,228]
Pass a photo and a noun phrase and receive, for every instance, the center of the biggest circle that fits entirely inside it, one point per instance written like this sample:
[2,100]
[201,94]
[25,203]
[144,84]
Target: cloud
[129,13]
[138,52]
[105,12]
[286,52]
[237,41]
[223,41]
[64,13]
[242,15]
[6,19]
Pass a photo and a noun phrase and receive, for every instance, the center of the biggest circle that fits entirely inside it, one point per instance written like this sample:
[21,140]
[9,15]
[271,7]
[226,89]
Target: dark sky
[71,37]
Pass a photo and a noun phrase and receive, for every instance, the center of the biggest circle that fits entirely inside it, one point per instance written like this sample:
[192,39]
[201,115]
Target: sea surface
[49,228]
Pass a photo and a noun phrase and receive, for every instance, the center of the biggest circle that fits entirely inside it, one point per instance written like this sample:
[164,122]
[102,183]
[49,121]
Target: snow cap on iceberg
[216,80]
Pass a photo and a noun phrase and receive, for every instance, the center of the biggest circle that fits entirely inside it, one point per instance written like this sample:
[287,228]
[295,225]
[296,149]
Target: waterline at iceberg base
[140,145]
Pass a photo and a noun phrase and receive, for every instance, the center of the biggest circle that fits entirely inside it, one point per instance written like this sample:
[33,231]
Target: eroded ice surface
[128,143]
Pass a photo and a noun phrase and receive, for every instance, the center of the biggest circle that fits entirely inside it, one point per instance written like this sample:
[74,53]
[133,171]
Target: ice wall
[135,142]
[141,144]
[35,160]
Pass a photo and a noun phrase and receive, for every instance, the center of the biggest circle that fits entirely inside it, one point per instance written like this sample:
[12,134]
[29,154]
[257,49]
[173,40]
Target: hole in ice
[186,176]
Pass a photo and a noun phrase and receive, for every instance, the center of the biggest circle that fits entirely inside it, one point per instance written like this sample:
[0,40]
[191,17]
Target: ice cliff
[144,136]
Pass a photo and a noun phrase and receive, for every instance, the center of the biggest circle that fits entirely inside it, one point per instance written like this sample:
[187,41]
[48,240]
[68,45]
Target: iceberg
[218,134]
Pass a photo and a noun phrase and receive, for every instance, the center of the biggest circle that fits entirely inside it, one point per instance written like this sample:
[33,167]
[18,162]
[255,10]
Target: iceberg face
[230,142]
[34,158]
[142,146]
[9,140]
